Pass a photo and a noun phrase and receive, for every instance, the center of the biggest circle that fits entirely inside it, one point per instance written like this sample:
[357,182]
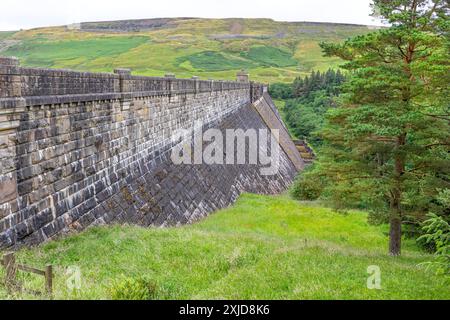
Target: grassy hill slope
[262,248]
[210,48]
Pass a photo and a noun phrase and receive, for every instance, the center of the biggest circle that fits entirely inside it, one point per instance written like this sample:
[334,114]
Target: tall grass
[264,247]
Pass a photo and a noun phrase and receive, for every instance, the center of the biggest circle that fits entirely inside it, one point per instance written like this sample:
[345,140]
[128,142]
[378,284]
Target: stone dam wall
[80,149]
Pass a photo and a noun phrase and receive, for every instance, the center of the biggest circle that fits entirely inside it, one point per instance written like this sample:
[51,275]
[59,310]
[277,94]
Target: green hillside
[271,51]
[264,247]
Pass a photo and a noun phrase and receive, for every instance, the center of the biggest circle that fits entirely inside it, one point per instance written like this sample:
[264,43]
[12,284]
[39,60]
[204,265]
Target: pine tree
[329,81]
[297,87]
[387,145]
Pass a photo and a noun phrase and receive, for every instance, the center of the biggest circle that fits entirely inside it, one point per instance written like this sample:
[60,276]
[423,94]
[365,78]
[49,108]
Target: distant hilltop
[131,25]
[139,25]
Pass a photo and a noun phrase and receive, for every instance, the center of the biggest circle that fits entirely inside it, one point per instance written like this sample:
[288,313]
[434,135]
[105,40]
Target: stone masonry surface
[80,149]
[268,112]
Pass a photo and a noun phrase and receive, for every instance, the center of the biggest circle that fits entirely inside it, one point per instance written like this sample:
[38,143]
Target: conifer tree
[387,144]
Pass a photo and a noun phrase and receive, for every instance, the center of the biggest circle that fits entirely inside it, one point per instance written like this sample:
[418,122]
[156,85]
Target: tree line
[307,101]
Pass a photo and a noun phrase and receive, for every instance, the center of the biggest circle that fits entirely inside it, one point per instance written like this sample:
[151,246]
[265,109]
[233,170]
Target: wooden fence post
[49,279]
[9,262]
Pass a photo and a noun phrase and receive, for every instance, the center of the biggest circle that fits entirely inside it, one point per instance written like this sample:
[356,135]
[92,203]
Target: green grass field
[264,247]
[210,48]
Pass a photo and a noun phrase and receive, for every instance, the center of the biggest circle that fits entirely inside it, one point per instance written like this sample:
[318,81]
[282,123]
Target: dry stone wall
[79,149]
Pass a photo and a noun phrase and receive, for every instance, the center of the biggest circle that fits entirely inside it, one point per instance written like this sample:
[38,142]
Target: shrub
[133,289]
[307,186]
[377,217]
[281,91]
[437,234]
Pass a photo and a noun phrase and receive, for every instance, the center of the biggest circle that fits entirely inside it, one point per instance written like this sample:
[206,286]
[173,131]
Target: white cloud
[24,14]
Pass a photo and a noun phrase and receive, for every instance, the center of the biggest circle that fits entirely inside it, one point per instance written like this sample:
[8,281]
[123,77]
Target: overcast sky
[25,14]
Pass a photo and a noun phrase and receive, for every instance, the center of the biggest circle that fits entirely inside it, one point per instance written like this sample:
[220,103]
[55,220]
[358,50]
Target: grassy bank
[262,248]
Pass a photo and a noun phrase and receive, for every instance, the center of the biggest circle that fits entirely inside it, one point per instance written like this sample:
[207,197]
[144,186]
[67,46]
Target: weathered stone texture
[79,149]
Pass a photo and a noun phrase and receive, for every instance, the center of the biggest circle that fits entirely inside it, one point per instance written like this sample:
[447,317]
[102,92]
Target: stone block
[8,187]
[9,61]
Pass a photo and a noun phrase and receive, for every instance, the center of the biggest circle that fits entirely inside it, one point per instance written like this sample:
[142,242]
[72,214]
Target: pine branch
[436,145]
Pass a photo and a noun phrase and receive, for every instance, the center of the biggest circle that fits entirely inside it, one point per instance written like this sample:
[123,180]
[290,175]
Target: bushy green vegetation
[264,247]
[307,101]
[307,186]
[281,91]
[210,48]
[316,94]
[132,289]
[437,234]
